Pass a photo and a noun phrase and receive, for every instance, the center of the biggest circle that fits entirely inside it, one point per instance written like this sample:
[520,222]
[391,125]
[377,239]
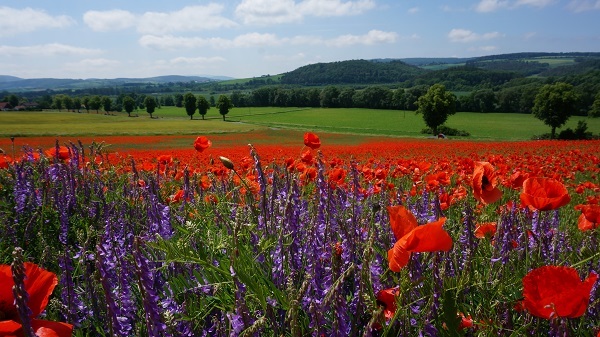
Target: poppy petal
[544,194]
[402,221]
[6,296]
[397,257]
[431,237]
[44,328]
[9,328]
[551,291]
[39,284]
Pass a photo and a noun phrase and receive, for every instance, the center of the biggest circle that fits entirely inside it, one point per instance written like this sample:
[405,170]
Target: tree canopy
[224,104]
[150,104]
[554,104]
[189,102]
[436,105]
[203,105]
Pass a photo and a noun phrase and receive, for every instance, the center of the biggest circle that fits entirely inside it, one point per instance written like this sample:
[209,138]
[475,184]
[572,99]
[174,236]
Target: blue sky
[248,38]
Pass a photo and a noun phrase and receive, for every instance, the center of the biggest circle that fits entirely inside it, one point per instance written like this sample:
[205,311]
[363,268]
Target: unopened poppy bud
[226,162]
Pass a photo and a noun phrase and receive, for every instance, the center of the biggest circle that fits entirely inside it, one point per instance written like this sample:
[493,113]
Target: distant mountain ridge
[16,83]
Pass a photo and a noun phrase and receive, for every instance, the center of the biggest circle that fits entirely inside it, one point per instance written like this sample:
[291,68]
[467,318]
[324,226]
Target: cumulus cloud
[464,35]
[15,21]
[266,12]
[485,6]
[264,39]
[534,3]
[371,38]
[105,21]
[579,6]
[46,50]
[484,48]
[197,60]
[190,18]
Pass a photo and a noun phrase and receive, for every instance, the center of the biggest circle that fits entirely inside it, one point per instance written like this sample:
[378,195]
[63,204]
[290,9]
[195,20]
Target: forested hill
[352,72]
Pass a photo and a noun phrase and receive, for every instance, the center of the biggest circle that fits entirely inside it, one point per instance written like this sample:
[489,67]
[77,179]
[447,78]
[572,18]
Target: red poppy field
[300,234]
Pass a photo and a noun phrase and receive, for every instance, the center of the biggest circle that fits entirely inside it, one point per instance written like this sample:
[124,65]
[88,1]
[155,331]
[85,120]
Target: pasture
[366,122]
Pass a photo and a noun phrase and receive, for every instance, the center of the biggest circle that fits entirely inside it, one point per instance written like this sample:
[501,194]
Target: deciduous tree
[128,105]
[150,104]
[436,105]
[203,105]
[224,104]
[189,102]
[554,104]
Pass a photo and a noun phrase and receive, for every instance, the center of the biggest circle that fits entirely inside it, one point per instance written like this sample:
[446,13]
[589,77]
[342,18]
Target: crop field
[274,224]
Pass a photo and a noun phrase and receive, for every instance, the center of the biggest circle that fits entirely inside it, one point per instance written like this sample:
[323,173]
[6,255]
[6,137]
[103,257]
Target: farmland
[172,120]
[360,227]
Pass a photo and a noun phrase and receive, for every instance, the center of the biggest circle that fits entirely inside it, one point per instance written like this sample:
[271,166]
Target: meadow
[182,228]
[172,121]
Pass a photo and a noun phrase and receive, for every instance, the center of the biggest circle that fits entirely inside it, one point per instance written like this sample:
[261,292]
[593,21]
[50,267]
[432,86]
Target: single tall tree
[189,102]
[436,105]
[203,105]
[554,104]
[150,104]
[224,104]
[106,103]
[128,105]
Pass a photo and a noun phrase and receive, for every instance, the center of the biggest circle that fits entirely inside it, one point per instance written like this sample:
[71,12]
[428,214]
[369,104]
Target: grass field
[174,121]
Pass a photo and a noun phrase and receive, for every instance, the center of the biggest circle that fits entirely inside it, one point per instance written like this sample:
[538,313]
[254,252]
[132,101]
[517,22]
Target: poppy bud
[227,162]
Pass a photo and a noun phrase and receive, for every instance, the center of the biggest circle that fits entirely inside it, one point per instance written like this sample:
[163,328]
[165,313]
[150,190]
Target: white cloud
[190,18]
[334,7]
[484,48]
[197,60]
[579,6]
[534,3]
[413,10]
[464,35]
[249,40]
[371,38]
[105,21]
[46,50]
[530,35]
[16,21]
[267,12]
[485,6]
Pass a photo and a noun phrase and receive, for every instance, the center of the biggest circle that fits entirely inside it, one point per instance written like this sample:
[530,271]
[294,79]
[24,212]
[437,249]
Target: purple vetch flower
[20,294]
[74,310]
[154,322]
[467,238]
[236,323]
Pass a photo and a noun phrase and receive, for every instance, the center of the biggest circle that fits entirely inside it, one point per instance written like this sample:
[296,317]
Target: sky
[251,38]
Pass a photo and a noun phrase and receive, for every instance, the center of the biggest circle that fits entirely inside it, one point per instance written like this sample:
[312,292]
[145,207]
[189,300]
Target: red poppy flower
[387,299]
[556,291]
[39,284]
[311,140]
[62,154]
[544,194]
[486,230]
[484,183]
[413,238]
[202,143]
[589,218]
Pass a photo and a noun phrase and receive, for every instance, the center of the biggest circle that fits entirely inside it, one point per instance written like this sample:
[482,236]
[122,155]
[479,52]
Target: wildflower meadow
[392,237]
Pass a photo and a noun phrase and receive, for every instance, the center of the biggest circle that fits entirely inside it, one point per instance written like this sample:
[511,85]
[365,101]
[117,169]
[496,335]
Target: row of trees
[553,105]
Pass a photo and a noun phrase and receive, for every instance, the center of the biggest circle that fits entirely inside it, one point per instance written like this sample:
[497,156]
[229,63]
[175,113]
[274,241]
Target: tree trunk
[191,117]
[553,133]
[223,117]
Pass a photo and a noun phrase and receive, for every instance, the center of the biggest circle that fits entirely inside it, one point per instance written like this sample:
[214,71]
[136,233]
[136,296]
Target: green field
[174,121]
